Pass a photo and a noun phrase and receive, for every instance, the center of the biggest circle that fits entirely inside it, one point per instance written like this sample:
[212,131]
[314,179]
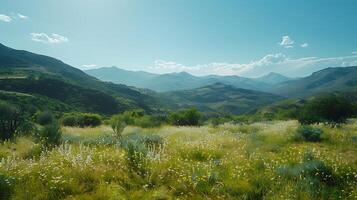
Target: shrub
[189,117]
[153,141]
[313,170]
[308,133]
[69,120]
[81,119]
[88,119]
[137,147]
[136,158]
[329,109]
[5,187]
[118,125]
[11,119]
[50,135]
[218,121]
[135,118]
[45,118]
[27,128]
[147,121]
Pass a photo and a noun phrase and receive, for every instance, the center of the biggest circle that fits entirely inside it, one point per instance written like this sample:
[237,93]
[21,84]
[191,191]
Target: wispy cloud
[21,16]
[48,39]
[270,63]
[305,45]
[286,42]
[5,18]
[354,52]
[89,66]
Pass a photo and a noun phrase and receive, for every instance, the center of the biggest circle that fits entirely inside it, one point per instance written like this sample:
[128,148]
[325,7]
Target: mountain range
[326,80]
[181,80]
[39,82]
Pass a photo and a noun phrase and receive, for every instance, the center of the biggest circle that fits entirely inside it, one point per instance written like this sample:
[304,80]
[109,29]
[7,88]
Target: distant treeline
[329,109]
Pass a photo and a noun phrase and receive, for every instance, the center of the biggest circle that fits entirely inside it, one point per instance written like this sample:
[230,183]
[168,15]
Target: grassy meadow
[257,161]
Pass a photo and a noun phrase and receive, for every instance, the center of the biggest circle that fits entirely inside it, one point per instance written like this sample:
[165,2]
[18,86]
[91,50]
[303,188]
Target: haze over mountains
[49,83]
[182,80]
[326,80]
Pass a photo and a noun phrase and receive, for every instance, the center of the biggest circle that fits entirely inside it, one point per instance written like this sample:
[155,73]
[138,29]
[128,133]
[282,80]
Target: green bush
[147,121]
[118,125]
[45,118]
[135,118]
[137,147]
[308,133]
[5,187]
[189,117]
[153,141]
[69,120]
[329,109]
[218,121]
[50,135]
[81,119]
[27,128]
[137,160]
[11,118]
[314,171]
[88,119]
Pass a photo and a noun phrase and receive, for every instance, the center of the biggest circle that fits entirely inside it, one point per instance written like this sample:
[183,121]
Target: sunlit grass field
[256,161]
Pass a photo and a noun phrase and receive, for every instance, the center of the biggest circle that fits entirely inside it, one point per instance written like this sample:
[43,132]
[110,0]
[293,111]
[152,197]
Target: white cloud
[278,62]
[305,45]
[21,16]
[89,66]
[49,39]
[5,18]
[286,42]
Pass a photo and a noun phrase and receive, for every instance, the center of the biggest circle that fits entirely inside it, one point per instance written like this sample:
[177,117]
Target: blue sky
[232,37]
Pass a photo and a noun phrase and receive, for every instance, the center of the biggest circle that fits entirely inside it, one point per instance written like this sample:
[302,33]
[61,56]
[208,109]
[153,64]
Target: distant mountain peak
[182,73]
[273,78]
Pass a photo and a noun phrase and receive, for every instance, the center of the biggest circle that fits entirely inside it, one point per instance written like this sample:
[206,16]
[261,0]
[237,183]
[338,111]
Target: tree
[45,118]
[331,109]
[11,119]
[189,117]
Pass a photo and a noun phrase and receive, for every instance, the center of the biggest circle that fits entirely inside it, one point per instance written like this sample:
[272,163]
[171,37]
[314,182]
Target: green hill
[26,72]
[288,108]
[326,80]
[220,98]
[31,103]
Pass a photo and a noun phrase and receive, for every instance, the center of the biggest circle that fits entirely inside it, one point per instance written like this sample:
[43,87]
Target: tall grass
[257,161]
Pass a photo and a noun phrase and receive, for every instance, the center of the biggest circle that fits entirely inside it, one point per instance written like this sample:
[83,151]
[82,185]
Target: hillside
[289,108]
[220,98]
[31,103]
[80,98]
[171,81]
[21,70]
[326,80]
